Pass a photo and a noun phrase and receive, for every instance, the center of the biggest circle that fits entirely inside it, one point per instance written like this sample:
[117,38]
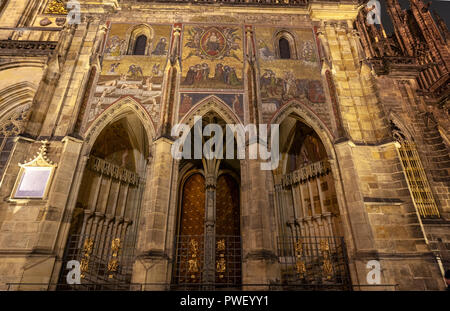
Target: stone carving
[14,123]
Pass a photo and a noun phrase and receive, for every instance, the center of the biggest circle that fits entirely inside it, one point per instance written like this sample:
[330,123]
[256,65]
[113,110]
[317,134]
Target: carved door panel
[192,267]
[190,240]
[228,231]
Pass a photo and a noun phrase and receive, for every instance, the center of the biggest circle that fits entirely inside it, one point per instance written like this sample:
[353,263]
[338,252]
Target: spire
[441,25]
[426,23]
[401,30]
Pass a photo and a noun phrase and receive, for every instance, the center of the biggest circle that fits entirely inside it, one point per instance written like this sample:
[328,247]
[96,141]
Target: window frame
[287,35]
[41,162]
[133,33]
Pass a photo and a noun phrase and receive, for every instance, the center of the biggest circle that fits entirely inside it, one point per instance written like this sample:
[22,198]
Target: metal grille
[313,263]
[105,264]
[190,268]
[417,181]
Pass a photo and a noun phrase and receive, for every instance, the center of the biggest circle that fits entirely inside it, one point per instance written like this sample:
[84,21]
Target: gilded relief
[212,57]
[283,80]
[139,76]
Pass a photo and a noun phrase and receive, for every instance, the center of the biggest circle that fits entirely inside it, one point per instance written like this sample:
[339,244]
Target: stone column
[152,263]
[260,263]
[210,229]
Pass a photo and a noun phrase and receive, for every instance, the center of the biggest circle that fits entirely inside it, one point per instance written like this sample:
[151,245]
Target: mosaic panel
[283,80]
[212,57]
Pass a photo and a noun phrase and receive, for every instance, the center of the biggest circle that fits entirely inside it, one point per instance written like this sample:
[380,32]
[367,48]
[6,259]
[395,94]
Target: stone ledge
[374,254]
[153,254]
[374,200]
[261,255]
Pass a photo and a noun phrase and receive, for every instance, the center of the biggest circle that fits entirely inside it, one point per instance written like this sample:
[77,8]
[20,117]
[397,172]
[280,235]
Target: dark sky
[442,7]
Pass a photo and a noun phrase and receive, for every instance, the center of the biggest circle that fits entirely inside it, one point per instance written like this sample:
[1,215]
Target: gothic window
[416,178]
[139,40]
[285,51]
[139,46]
[285,45]
[11,126]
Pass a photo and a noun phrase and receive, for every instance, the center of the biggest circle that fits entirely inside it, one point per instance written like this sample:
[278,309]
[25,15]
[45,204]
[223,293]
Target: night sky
[442,7]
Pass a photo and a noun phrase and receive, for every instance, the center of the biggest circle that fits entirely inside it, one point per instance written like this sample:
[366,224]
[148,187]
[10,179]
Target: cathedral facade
[91,196]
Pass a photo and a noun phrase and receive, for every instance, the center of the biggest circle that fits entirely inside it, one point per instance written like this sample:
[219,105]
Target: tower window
[285,50]
[416,178]
[417,181]
[139,46]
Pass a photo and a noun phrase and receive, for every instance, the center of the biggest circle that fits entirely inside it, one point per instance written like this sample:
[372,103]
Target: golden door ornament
[87,250]
[193,262]
[221,263]
[221,266]
[300,265]
[113,264]
[221,245]
[327,267]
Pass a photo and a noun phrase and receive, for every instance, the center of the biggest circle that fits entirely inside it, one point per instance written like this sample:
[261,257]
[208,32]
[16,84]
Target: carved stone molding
[19,47]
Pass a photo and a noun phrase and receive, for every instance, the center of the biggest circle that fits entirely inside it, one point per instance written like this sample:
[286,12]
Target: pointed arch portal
[103,229]
[310,235]
[208,243]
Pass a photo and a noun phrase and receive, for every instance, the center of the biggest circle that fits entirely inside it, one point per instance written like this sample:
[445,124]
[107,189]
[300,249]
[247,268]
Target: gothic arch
[397,121]
[305,115]
[208,104]
[16,95]
[308,117]
[133,33]
[15,108]
[34,63]
[115,112]
[105,201]
[14,87]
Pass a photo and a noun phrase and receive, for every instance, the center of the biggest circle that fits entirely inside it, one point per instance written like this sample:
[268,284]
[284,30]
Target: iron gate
[105,264]
[313,263]
[190,269]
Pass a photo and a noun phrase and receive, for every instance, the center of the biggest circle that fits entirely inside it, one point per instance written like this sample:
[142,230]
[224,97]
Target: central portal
[209,248]
[208,242]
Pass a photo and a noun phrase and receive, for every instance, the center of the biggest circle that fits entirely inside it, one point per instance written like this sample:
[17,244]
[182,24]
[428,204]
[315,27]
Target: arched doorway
[103,227]
[310,236]
[208,243]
